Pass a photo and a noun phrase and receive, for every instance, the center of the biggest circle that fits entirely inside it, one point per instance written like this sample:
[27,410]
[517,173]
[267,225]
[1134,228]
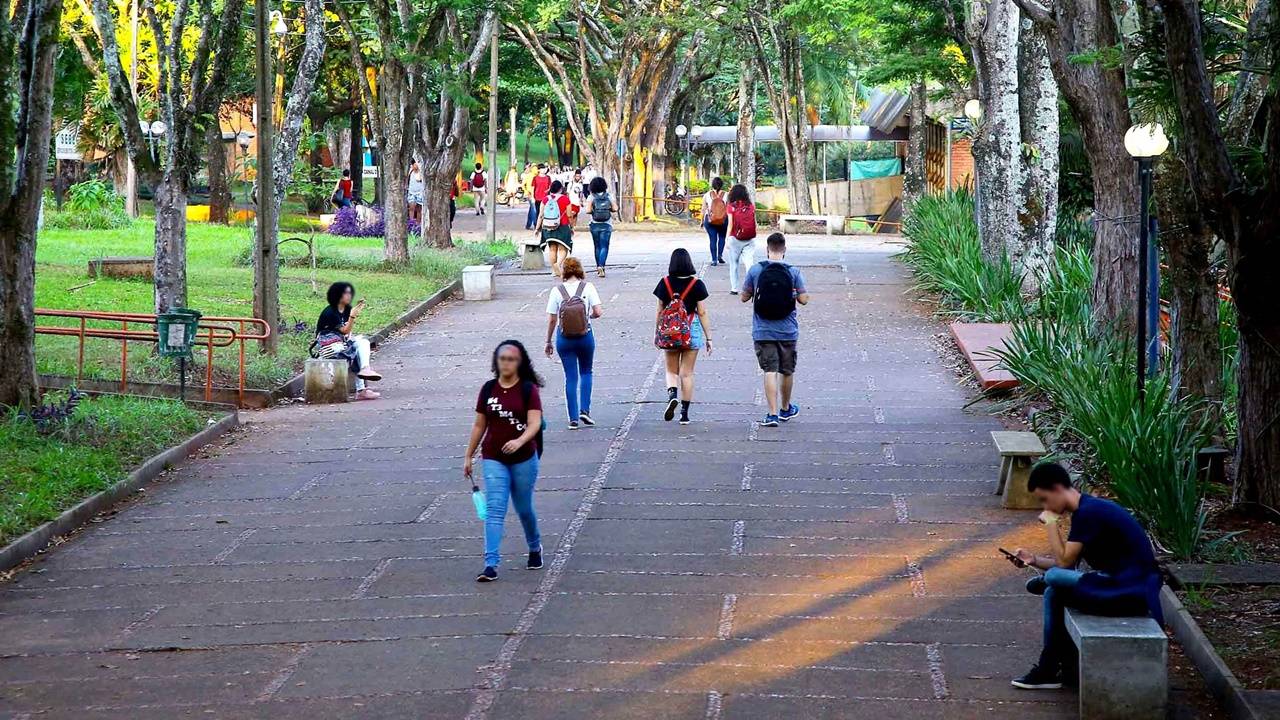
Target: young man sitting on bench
[1123,579]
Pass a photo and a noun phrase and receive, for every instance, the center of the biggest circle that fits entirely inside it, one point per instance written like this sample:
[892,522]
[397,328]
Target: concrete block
[477,282]
[533,257]
[1018,452]
[1124,666]
[325,381]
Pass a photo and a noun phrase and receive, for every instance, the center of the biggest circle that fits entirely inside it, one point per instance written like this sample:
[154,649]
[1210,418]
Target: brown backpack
[573,312]
[719,211]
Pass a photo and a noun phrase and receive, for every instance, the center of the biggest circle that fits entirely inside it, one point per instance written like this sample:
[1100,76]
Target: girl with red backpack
[682,329]
[715,219]
[742,234]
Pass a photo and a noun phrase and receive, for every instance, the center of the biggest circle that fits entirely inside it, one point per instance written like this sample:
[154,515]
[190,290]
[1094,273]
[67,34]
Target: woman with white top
[715,219]
[571,306]
[416,193]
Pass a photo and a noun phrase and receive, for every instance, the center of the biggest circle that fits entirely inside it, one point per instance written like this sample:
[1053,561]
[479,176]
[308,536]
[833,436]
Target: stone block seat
[790,223]
[533,256]
[325,381]
[1018,452]
[1124,666]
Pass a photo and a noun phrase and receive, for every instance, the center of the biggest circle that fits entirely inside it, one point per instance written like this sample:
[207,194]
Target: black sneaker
[573,424]
[1039,679]
[1037,585]
[684,420]
[535,560]
[672,404]
[489,575]
[586,420]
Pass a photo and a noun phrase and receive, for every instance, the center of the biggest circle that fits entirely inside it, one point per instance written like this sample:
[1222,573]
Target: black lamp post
[1145,143]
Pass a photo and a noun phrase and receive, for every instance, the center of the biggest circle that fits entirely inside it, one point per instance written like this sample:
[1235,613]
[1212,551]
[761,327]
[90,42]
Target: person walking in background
[416,192]
[335,338]
[554,226]
[479,187]
[541,185]
[742,233]
[453,200]
[776,287]
[682,329]
[508,432]
[571,307]
[526,181]
[715,218]
[600,209]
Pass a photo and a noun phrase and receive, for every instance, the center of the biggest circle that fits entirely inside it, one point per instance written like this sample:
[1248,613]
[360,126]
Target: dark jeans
[600,234]
[1057,652]
[532,218]
[715,235]
[453,210]
[576,354]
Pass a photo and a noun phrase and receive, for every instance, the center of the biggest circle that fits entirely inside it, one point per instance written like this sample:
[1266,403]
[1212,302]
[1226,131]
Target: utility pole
[266,268]
[131,172]
[491,197]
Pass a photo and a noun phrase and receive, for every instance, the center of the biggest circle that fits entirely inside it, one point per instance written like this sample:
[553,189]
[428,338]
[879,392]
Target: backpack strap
[582,285]
[666,280]
[692,281]
[563,292]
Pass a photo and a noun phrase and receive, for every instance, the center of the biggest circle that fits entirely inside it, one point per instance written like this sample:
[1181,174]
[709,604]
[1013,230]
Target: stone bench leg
[1123,678]
[1014,472]
[533,258]
[325,382]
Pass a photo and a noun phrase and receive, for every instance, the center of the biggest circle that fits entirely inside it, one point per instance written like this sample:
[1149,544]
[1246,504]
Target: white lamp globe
[1146,140]
[145,126]
[277,25]
[973,110]
[681,130]
[158,128]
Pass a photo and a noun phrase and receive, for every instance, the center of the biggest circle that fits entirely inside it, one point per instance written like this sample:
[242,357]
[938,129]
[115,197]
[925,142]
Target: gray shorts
[777,356]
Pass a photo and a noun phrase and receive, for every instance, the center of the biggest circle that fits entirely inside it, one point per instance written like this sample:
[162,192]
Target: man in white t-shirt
[575,341]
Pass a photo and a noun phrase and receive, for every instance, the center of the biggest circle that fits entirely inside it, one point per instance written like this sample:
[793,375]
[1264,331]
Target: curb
[1228,691]
[293,388]
[38,539]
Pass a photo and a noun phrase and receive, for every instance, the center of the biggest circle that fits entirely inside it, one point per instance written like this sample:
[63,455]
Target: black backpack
[775,293]
[526,391]
[601,207]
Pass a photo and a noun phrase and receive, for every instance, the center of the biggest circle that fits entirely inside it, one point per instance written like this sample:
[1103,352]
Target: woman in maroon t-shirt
[508,432]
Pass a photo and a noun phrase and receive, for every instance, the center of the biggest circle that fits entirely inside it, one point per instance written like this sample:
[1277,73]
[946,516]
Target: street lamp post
[1145,143]
[682,133]
[151,132]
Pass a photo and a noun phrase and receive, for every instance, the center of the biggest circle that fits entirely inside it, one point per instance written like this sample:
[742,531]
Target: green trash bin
[177,331]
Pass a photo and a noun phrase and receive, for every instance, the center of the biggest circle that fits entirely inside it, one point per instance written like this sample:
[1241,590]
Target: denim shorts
[697,338]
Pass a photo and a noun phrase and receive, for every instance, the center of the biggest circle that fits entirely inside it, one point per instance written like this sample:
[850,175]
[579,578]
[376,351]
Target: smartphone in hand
[1017,561]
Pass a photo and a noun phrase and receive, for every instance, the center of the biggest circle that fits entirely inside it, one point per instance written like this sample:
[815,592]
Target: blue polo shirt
[786,329]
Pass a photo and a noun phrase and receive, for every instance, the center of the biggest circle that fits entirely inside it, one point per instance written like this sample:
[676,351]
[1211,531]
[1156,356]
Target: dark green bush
[90,205]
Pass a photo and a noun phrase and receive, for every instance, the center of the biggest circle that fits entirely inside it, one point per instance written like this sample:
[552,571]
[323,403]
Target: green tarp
[867,169]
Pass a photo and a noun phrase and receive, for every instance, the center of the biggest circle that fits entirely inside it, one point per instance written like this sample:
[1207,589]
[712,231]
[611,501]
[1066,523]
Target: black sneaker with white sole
[672,404]
[488,575]
[1039,678]
[586,420]
[535,560]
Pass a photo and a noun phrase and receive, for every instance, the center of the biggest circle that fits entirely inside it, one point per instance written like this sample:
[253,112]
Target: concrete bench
[1018,452]
[533,257]
[1124,666]
[325,381]
[834,223]
[477,282]
[137,268]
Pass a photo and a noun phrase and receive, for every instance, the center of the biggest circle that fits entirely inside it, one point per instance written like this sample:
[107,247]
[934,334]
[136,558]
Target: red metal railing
[212,332]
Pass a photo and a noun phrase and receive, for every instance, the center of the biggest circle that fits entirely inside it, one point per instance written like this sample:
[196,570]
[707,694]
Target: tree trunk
[219,188]
[1038,112]
[746,143]
[355,150]
[1188,244]
[439,173]
[913,182]
[997,146]
[290,132]
[171,240]
[1096,94]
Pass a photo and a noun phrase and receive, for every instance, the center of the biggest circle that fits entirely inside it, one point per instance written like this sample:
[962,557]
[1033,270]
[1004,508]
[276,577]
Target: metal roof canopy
[718,134]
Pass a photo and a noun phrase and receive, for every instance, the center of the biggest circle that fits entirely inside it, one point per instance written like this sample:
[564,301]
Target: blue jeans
[532,218]
[716,236]
[576,355]
[1057,645]
[600,234]
[513,482]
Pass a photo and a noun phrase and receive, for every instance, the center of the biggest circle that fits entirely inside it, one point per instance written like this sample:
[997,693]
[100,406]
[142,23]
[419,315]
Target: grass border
[1223,684]
[35,541]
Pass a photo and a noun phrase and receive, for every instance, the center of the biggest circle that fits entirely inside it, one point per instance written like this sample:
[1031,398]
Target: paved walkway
[322,565]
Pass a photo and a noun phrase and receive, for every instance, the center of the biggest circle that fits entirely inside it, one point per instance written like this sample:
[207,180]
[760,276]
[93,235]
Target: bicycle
[676,201]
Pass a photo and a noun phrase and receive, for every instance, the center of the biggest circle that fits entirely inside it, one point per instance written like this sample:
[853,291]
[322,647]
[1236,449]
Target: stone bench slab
[976,341]
[1124,666]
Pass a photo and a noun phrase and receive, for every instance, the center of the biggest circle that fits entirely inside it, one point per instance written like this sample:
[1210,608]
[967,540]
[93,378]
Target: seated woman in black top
[681,281]
[334,338]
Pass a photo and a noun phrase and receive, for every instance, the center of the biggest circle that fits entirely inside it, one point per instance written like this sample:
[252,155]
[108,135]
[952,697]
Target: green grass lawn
[44,473]
[221,283]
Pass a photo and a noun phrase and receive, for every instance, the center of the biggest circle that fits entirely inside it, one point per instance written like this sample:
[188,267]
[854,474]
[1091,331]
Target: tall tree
[1238,193]
[1039,133]
[196,51]
[1083,44]
[28,44]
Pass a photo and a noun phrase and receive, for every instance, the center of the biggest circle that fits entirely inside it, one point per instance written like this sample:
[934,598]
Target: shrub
[347,222]
[946,255]
[90,205]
